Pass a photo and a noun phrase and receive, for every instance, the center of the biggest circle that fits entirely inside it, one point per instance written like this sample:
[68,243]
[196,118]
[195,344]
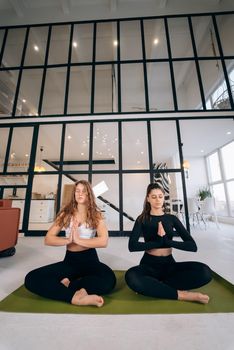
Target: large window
[220,166]
[154,65]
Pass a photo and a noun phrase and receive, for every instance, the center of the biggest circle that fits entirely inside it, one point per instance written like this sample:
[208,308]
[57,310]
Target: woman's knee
[31,279]
[110,281]
[133,278]
[107,278]
[206,273]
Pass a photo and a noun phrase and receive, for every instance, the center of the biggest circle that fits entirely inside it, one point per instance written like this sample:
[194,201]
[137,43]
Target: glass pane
[105,146]
[180,38]
[18,201]
[29,93]
[135,145]
[230,190]
[105,89]
[8,81]
[230,71]
[48,148]
[165,149]
[133,88]
[214,84]
[19,155]
[82,44]
[35,53]
[155,39]
[175,195]
[14,47]
[205,37]
[59,44]
[109,201]
[54,93]
[80,90]
[159,86]
[134,189]
[187,87]
[214,167]
[228,162]
[3,144]
[106,42]
[76,149]
[226,33]
[130,40]
[42,209]
[220,199]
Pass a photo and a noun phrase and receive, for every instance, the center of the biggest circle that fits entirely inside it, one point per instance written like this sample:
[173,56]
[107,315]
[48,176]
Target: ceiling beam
[18,7]
[66,6]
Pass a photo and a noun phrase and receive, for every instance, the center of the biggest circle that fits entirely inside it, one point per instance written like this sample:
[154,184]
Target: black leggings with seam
[162,277]
[83,269]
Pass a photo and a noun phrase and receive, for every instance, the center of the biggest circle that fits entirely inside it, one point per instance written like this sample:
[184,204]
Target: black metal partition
[124,66]
[104,69]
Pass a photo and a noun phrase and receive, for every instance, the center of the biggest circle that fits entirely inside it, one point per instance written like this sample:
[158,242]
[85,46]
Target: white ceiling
[43,11]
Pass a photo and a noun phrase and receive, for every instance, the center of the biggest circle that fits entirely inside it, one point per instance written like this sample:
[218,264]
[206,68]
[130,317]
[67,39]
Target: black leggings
[161,277]
[83,269]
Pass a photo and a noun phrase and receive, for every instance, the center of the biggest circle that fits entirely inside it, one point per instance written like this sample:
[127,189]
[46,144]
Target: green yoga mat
[124,301]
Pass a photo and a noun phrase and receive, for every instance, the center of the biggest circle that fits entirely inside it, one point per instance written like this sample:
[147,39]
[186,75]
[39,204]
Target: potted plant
[203,193]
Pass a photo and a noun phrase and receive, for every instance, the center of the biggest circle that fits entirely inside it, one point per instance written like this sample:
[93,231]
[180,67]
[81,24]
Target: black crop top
[149,229]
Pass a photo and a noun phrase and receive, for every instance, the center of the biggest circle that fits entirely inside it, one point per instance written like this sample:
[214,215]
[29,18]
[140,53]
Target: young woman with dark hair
[158,274]
[80,279]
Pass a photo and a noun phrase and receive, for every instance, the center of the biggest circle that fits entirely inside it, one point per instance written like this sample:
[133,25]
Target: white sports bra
[83,231]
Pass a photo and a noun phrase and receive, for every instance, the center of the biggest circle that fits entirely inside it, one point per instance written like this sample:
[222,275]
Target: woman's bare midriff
[160,251]
[72,247]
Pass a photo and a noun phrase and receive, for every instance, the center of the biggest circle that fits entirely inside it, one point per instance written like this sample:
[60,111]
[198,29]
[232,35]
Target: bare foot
[65,281]
[84,300]
[193,296]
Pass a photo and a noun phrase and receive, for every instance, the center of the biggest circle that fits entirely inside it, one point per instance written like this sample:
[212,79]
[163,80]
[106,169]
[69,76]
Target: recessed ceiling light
[74,44]
[23,100]
[138,162]
[69,137]
[36,48]
[155,41]
[82,153]
[202,150]
[229,132]
[26,155]
[115,43]
[142,152]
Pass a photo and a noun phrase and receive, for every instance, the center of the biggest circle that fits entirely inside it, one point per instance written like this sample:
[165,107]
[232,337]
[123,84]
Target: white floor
[164,332]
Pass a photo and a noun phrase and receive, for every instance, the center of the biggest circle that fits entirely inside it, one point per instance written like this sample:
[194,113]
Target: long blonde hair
[94,214]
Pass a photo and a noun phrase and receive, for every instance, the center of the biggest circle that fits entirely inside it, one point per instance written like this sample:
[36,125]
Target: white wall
[197,176]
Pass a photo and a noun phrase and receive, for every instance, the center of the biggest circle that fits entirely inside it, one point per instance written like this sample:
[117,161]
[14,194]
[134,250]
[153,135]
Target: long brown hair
[145,215]
[93,212]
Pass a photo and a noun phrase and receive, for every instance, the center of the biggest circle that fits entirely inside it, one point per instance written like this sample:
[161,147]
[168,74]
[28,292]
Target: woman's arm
[52,238]
[134,245]
[97,242]
[188,243]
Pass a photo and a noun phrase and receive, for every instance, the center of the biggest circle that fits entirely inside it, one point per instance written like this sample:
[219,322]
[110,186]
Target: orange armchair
[9,229]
